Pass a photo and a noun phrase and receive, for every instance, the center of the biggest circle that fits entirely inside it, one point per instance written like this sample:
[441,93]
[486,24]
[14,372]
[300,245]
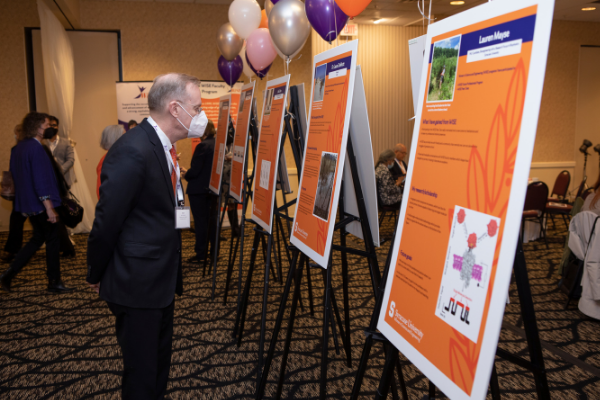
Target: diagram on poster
[460,216]
[268,152]
[220,144]
[240,142]
[467,271]
[334,73]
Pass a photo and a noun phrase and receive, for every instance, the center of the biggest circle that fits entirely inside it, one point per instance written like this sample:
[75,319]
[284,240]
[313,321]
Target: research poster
[267,152]
[211,93]
[220,144]
[324,151]
[240,141]
[132,102]
[460,216]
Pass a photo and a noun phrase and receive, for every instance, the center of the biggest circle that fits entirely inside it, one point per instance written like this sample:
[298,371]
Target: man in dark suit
[134,249]
[399,167]
[202,202]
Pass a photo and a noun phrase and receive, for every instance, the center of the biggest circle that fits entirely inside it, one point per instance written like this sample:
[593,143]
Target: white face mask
[390,166]
[198,124]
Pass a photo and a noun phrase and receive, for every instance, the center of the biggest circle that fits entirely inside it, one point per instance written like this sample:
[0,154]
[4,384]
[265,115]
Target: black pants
[65,242]
[145,337]
[205,210]
[43,231]
[15,232]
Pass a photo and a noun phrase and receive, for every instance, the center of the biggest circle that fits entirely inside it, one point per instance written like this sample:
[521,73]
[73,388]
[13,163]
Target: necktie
[173,173]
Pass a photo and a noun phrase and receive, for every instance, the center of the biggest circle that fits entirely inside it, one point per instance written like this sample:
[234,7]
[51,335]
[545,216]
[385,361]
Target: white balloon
[245,17]
[247,70]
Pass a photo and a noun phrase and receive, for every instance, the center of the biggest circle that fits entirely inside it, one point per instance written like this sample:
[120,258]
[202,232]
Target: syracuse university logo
[142,95]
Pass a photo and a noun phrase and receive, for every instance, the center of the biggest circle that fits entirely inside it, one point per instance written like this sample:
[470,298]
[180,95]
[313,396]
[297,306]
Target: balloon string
[289,60]
[337,40]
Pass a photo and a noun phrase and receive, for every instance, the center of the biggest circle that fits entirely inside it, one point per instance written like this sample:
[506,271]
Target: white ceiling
[405,12]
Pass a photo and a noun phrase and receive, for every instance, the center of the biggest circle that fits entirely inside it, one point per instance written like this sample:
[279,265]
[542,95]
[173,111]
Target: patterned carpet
[63,346]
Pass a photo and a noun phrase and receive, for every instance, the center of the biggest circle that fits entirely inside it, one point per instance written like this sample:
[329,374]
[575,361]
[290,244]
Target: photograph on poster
[325,185]
[224,107]
[241,106]
[443,69]
[467,270]
[265,173]
[320,82]
[268,102]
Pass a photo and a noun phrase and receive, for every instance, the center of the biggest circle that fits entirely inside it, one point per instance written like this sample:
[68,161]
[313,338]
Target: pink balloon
[260,49]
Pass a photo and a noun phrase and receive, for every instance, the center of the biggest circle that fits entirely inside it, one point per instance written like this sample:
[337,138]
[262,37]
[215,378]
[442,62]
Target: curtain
[59,76]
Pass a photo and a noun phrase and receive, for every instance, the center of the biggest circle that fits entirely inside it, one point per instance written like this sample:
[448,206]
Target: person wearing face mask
[61,150]
[134,248]
[36,196]
[388,190]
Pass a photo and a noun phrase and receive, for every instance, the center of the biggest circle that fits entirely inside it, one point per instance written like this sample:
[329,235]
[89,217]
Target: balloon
[228,42]
[244,16]
[293,55]
[248,71]
[261,74]
[268,7]
[264,22]
[352,7]
[231,70]
[260,49]
[327,20]
[289,26]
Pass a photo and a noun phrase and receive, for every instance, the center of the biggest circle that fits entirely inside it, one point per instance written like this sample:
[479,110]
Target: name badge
[182,217]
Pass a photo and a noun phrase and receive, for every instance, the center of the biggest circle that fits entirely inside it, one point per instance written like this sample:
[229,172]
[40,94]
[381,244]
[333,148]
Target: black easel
[299,259]
[535,365]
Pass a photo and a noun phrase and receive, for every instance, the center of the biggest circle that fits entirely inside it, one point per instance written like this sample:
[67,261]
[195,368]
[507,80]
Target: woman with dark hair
[36,196]
[388,191]
[204,206]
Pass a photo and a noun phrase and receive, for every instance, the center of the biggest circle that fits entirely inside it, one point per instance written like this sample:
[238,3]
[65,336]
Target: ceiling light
[588,8]
[457,3]
[378,20]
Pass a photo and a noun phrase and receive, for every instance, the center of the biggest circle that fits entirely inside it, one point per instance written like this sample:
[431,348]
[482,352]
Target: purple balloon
[260,74]
[231,70]
[274,1]
[326,17]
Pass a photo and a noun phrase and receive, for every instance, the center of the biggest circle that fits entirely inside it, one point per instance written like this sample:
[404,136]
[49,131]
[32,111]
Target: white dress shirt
[401,166]
[52,145]
[167,145]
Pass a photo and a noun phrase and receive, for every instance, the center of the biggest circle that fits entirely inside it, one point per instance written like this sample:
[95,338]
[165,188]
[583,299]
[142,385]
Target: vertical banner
[324,151]
[132,102]
[211,92]
[240,141]
[267,154]
[220,144]
[459,222]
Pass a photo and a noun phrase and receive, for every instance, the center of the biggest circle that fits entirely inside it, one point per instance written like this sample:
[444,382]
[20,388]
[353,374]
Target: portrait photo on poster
[325,185]
[320,73]
[224,107]
[241,106]
[444,63]
[265,174]
[268,102]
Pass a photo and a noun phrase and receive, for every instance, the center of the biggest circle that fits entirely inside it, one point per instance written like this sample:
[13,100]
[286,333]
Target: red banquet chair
[535,207]
[558,205]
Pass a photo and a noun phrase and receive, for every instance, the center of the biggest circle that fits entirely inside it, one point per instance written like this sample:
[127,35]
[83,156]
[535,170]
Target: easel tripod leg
[263,322]
[241,315]
[325,345]
[391,355]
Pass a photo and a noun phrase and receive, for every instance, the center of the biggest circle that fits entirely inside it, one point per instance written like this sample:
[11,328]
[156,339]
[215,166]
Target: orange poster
[267,153]
[211,92]
[325,150]
[220,144]
[462,206]
[240,142]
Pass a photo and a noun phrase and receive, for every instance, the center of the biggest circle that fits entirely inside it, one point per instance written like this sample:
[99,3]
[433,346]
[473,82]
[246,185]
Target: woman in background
[110,135]
[388,191]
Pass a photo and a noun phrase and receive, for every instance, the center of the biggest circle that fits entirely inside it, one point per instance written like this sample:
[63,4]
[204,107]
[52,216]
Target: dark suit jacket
[397,171]
[198,176]
[134,249]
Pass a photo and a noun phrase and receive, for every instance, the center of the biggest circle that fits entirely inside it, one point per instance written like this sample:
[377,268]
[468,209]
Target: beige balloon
[289,27]
[268,7]
[228,42]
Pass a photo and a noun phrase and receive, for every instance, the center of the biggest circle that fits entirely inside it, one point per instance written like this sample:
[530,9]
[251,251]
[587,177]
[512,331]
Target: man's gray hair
[385,156]
[169,87]
[110,135]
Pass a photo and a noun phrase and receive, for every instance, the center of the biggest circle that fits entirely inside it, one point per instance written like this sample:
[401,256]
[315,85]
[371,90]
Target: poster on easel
[268,150]
[211,93]
[132,102]
[324,151]
[460,217]
[220,144]
[240,141]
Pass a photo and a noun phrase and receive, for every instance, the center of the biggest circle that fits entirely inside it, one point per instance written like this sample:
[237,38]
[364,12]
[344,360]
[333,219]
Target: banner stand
[535,365]
[299,259]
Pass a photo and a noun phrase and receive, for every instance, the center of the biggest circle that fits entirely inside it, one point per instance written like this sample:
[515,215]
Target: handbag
[70,211]
[8,186]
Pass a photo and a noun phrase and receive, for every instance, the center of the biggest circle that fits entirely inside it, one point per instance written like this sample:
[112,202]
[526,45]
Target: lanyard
[180,200]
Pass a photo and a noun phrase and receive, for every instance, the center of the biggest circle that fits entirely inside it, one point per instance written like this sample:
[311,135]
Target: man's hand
[182,171]
[95,287]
